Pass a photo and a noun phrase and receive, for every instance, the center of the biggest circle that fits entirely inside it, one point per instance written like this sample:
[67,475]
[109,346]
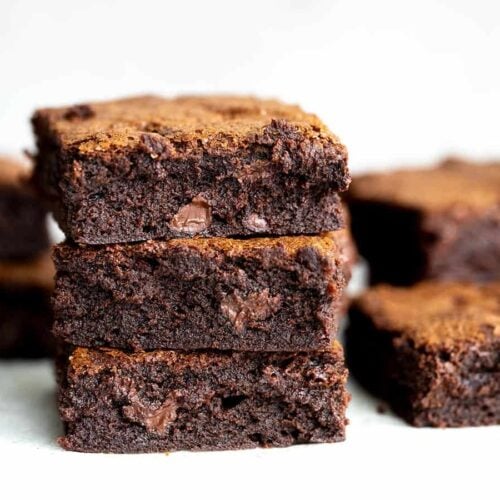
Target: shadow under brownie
[148,167]
[432,351]
[170,400]
[259,294]
[441,223]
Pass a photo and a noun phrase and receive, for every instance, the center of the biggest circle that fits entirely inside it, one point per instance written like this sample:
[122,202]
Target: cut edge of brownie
[233,181]
[266,294]
[395,250]
[25,323]
[412,246]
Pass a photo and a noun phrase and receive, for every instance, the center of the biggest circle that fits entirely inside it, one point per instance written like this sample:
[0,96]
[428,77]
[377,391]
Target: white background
[400,82]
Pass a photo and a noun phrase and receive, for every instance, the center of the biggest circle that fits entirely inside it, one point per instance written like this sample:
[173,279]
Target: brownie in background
[25,309]
[23,231]
[441,223]
[432,351]
[149,167]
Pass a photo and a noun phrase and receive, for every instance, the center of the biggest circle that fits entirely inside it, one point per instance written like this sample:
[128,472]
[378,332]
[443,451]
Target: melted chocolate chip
[256,306]
[156,420]
[193,218]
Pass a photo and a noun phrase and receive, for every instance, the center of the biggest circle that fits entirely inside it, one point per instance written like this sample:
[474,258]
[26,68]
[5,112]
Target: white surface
[382,457]
[398,81]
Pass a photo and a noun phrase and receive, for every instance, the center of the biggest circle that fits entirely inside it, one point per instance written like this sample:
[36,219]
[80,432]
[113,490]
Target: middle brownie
[260,294]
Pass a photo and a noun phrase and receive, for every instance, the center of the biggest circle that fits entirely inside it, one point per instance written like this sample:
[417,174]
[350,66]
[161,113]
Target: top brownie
[149,167]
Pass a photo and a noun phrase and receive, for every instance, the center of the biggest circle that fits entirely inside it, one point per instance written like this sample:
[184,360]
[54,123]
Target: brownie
[149,167]
[442,223]
[431,350]
[258,294]
[25,312]
[111,401]
[23,232]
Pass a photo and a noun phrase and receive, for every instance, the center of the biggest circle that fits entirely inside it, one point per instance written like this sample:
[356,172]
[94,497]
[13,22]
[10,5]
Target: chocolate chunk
[255,223]
[256,306]
[156,420]
[193,218]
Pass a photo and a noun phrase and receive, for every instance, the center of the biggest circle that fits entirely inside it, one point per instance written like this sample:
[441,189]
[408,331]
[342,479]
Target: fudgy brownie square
[148,167]
[25,312]
[23,232]
[432,350]
[111,401]
[258,294]
[442,223]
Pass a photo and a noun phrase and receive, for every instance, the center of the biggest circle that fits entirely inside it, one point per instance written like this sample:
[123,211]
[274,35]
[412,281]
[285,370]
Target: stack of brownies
[199,290]
[26,271]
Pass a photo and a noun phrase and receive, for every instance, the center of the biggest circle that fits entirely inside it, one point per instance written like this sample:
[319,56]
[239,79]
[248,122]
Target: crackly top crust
[12,172]
[455,184]
[84,361]
[38,273]
[209,122]
[434,313]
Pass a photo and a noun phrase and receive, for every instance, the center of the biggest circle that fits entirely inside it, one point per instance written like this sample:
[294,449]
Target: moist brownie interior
[259,294]
[170,400]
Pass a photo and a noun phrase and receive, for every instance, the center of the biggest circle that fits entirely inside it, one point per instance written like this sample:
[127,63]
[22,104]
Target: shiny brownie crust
[170,400]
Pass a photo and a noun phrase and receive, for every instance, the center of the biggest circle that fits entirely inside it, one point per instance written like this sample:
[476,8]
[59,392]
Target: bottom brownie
[199,400]
[432,351]
[25,311]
